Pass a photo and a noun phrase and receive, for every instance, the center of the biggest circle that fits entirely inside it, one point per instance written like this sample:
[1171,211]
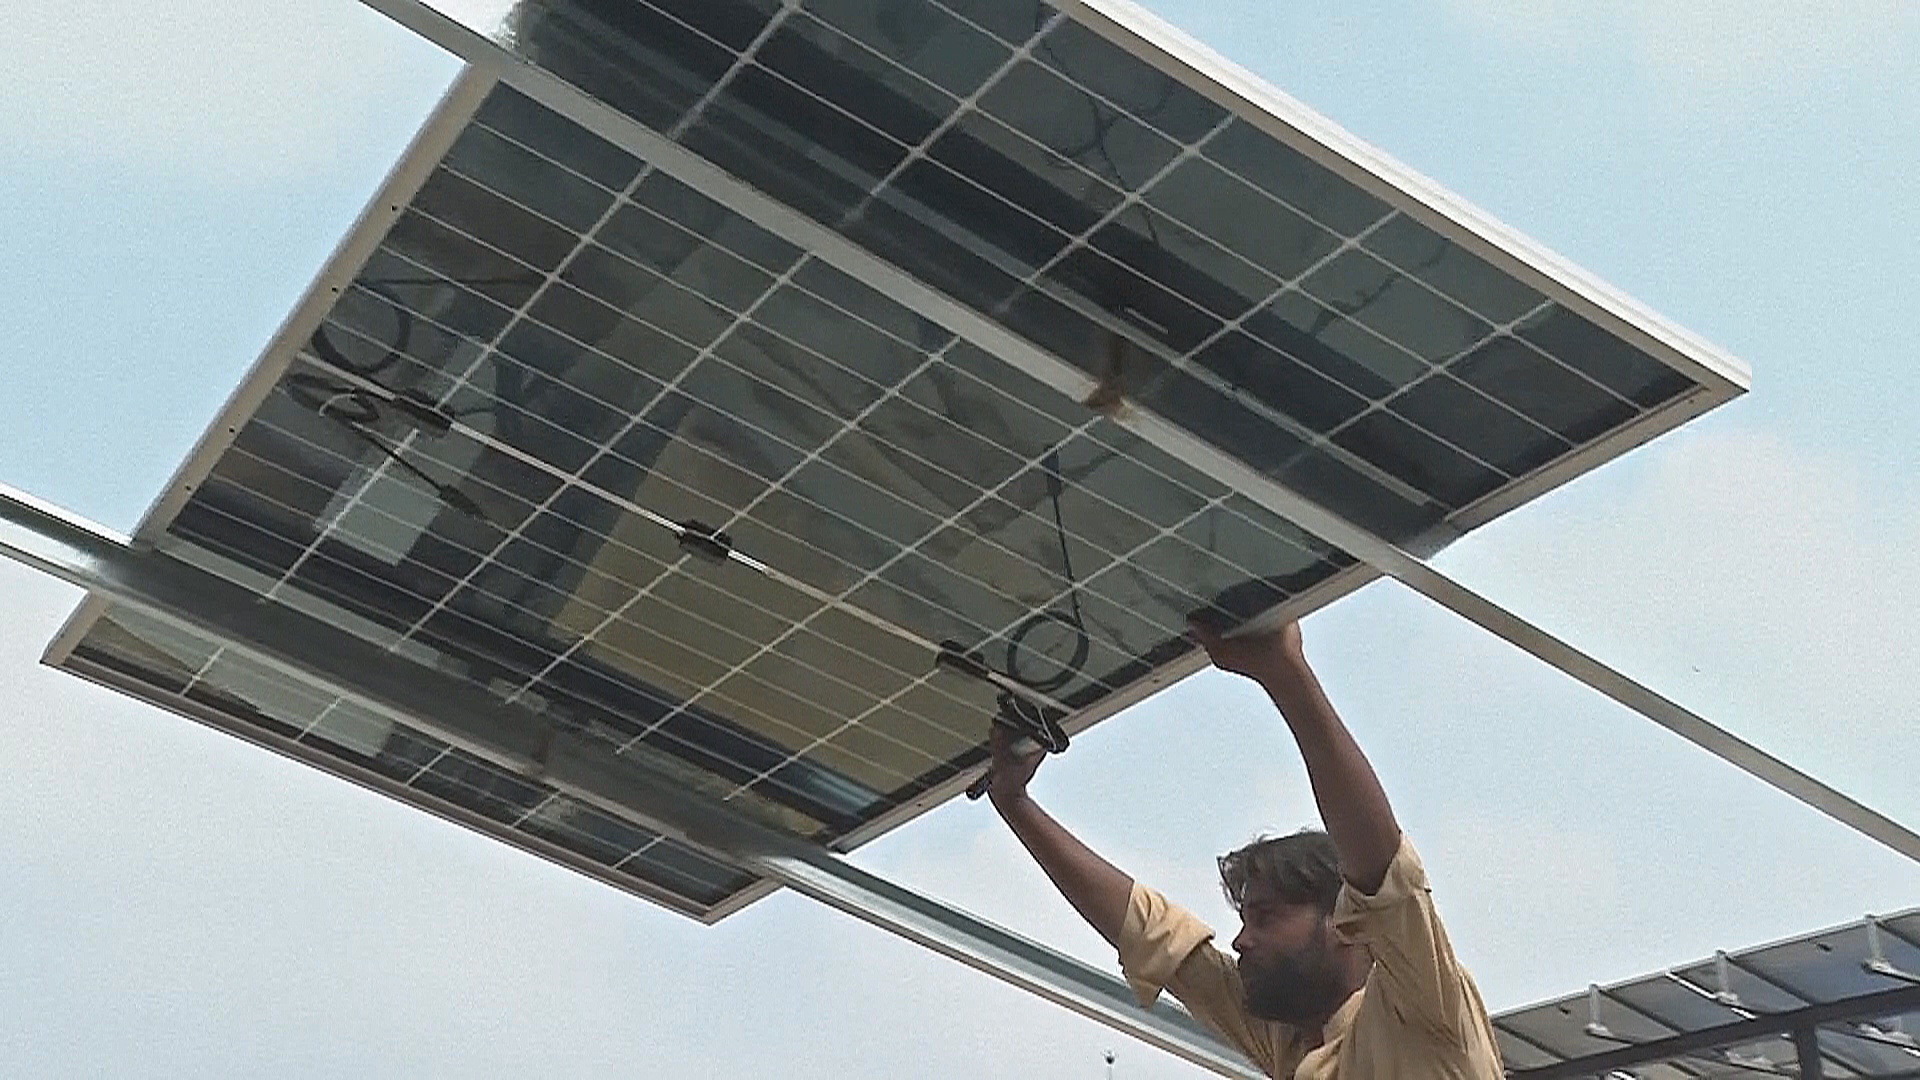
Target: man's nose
[1240,941]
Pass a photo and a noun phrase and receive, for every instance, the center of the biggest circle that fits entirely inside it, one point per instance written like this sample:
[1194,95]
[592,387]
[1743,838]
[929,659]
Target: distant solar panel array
[1855,989]
[596,441]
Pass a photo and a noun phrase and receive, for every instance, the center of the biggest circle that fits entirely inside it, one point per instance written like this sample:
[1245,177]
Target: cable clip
[1027,719]
[703,541]
[956,656]
[422,411]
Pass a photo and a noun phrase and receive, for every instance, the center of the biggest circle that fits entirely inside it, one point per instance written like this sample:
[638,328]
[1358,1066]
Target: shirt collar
[1334,1030]
[1341,1021]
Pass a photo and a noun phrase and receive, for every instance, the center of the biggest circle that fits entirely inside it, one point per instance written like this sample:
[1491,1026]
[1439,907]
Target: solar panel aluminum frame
[1720,377]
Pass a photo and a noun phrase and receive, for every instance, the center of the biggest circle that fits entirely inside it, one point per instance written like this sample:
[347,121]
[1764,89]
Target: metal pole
[1806,1044]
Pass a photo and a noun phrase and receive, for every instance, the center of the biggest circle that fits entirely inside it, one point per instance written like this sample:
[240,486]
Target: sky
[174,902]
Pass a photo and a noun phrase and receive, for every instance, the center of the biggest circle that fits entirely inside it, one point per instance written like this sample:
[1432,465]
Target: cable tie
[704,541]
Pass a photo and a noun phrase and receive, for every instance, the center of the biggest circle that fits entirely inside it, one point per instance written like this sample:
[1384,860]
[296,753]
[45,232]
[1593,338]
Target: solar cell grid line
[668,735]
[875,573]
[929,677]
[966,103]
[1164,47]
[1404,417]
[1178,362]
[658,520]
[406,441]
[1385,404]
[1080,243]
[320,590]
[1185,363]
[429,763]
[643,593]
[810,456]
[1323,441]
[1381,475]
[1188,363]
[1129,200]
[901,449]
[1236,322]
[1003,632]
[493,348]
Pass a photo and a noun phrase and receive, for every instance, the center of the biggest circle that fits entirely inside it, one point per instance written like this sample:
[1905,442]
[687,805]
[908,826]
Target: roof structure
[1843,1002]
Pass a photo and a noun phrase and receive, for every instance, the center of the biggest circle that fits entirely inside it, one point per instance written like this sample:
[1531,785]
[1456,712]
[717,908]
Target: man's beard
[1301,988]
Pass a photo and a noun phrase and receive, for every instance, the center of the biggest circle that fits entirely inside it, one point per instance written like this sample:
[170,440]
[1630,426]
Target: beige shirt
[1418,1016]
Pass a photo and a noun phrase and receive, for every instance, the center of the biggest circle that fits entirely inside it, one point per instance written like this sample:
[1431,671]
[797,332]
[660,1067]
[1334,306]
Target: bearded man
[1343,970]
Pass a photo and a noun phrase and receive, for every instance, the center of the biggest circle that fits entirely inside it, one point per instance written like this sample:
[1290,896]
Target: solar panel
[560,424]
[1857,987]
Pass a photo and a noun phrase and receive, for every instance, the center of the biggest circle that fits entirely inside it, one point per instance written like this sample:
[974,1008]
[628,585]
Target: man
[1344,972]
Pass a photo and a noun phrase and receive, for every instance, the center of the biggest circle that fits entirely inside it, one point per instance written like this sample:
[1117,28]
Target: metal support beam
[1884,1003]
[519,739]
[692,169]
[1806,1047]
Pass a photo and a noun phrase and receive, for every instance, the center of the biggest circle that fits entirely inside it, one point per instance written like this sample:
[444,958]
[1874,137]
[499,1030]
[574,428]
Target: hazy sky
[173,902]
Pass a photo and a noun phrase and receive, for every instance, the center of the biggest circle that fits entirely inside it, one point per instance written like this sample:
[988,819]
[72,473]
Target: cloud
[1705,45]
[1771,586]
[246,92]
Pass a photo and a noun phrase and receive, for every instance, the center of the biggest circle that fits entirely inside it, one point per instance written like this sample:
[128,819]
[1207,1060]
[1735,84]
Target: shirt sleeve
[1415,973]
[1164,946]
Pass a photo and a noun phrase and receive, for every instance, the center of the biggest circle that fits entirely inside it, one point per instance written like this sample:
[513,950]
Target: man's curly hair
[1302,868]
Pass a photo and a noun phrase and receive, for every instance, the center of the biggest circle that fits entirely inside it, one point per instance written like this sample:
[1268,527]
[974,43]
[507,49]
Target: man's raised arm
[1352,805]
[1095,887]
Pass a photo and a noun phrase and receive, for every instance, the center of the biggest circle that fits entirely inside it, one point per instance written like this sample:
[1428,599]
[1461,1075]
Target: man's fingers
[1206,636]
[1005,742]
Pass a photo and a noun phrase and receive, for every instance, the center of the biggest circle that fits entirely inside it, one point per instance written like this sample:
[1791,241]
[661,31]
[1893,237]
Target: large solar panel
[558,423]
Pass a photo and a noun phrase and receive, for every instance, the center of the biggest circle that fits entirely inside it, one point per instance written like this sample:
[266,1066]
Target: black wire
[1055,484]
[1104,121]
[355,411]
[1072,619]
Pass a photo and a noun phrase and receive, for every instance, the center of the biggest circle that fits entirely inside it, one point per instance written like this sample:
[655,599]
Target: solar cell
[596,441]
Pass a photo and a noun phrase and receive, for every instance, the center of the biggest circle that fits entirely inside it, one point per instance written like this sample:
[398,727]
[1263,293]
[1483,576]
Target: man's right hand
[1268,657]
[1012,768]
